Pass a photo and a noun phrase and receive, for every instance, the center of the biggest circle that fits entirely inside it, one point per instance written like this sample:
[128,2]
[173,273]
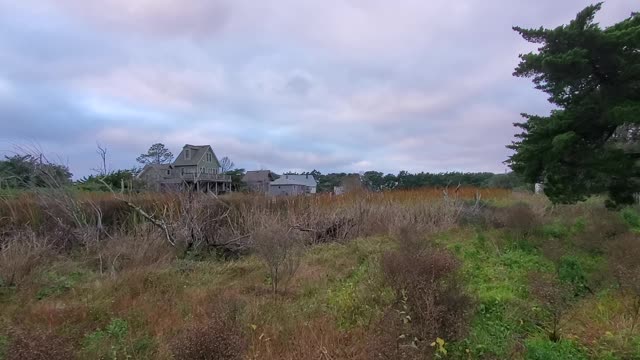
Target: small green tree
[589,144]
[157,154]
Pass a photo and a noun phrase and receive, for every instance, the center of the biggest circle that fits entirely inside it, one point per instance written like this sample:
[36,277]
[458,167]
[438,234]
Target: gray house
[195,168]
[293,185]
[259,180]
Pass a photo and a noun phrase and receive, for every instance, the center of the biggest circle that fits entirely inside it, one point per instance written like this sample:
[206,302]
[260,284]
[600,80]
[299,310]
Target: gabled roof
[306,180]
[259,175]
[161,167]
[197,153]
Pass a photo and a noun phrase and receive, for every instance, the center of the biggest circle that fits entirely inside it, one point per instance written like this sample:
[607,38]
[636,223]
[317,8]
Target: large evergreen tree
[588,145]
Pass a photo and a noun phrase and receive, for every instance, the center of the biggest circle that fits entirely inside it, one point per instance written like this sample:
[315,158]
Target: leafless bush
[554,297]
[427,284]
[20,254]
[37,345]
[218,337]
[624,260]
[280,249]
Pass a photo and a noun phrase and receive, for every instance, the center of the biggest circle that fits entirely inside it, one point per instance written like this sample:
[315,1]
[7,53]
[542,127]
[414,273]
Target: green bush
[631,217]
[543,349]
[571,271]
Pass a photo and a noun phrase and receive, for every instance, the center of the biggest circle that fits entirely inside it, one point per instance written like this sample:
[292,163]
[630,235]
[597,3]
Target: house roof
[161,167]
[306,180]
[197,152]
[258,175]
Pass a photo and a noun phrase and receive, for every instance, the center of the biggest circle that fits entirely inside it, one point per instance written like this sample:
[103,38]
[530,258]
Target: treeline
[378,181]
[27,171]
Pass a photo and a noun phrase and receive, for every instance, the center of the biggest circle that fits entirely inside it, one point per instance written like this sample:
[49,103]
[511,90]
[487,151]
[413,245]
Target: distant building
[195,168]
[259,180]
[293,185]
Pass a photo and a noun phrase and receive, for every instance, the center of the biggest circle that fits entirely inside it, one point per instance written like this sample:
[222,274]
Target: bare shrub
[280,250]
[519,219]
[20,254]
[37,345]
[555,298]
[389,340]
[624,260]
[429,290]
[217,337]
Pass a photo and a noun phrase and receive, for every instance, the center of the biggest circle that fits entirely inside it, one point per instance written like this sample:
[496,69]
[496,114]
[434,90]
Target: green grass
[361,297]
[544,349]
[495,269]
[4,342]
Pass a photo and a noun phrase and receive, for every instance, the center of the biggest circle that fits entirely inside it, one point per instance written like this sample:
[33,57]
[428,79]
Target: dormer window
[187,154]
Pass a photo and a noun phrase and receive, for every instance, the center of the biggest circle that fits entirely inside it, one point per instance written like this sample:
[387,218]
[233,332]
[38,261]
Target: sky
[285,85]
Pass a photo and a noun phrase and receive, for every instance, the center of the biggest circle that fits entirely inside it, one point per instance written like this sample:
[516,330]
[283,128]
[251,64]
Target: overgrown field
[424,274]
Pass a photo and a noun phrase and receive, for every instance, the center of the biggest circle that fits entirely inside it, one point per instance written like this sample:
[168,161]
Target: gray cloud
[332,85]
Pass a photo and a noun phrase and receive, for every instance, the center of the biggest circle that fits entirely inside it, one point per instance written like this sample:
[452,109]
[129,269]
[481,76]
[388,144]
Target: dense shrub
[476,213]
[429,291]
[519,219]
[37,345]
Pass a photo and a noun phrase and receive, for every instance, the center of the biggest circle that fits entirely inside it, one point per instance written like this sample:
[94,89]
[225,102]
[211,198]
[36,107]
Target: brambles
[217,337]
[37,345]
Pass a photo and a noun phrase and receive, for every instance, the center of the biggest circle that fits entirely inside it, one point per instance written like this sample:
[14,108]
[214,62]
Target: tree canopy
[589,144]
[27,171]
[157,154]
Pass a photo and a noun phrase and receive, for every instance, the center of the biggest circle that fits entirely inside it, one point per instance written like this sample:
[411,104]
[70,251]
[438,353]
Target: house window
[209,157]
[168,171]
[187,154]
[201,170]
[181,171]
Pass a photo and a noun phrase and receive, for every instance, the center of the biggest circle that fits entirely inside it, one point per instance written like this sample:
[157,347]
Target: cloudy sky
[333,85]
